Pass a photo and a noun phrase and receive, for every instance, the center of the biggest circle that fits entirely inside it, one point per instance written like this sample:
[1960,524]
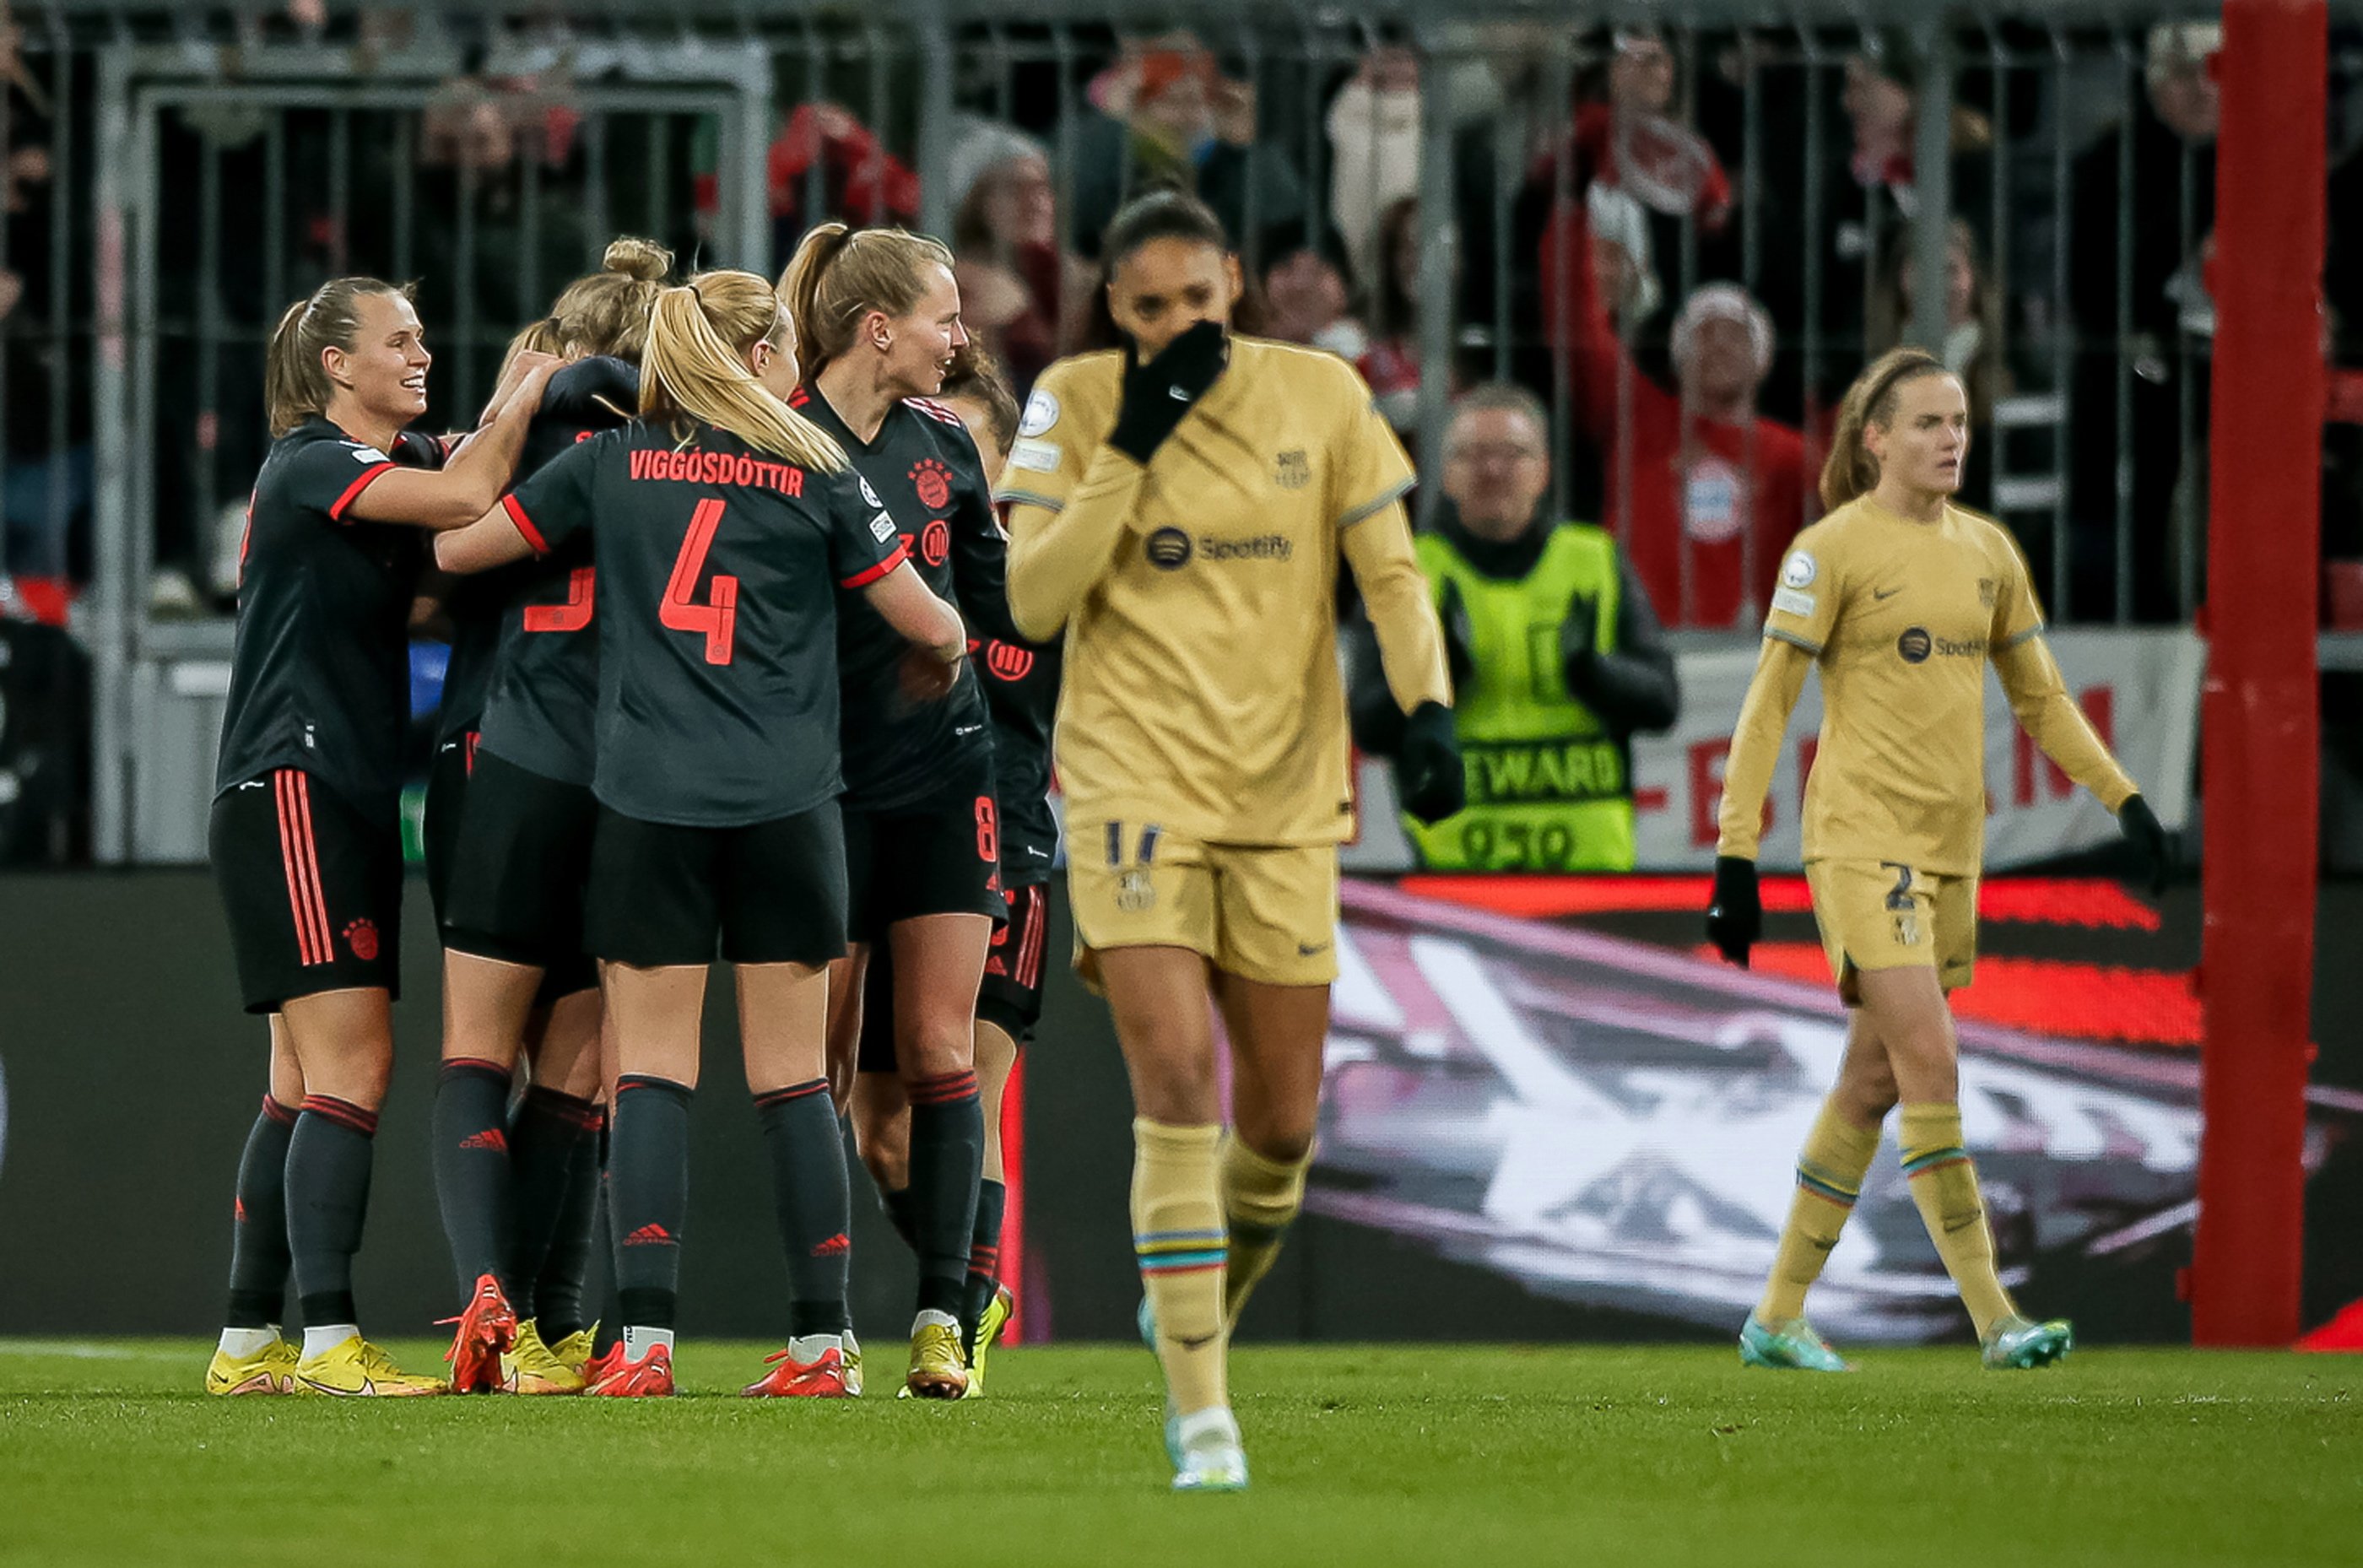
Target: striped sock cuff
[577,1112]
[649,1083]
[465,1066]
[946,1089]
[279,1111]
[1179,1252]
[344,1113]
[1930,1161]
[985,1260]
[1825,1183]
[794,1092]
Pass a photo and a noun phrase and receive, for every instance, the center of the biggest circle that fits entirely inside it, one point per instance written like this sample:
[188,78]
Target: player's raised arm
[1057,553]
[528,520]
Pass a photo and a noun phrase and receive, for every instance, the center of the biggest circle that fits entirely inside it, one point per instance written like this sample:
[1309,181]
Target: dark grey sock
[560,1288]
[946,1159]
[472,1168]
[814,1201]
[328,1159]
[258,1248]
[983,1256]
[545,1135]
[648,1185]
[903,1214]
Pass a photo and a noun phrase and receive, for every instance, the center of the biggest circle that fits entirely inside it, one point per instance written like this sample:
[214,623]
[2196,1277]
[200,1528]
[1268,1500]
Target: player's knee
[886,1157]
[1176,1089]
[937,1046]
[1281,1145]
[1866,1100]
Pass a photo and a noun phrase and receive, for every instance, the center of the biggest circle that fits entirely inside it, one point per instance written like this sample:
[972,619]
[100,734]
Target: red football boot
[487,1330]
[821,1378]
[650,1377]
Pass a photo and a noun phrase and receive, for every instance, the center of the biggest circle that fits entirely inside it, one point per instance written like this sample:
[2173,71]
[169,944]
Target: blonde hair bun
[643,259]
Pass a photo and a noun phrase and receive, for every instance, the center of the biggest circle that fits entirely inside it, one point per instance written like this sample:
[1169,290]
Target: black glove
[1459,635]
[1578,635]
[2141,830]
[1427,769]
[1157,394]
[1736,920]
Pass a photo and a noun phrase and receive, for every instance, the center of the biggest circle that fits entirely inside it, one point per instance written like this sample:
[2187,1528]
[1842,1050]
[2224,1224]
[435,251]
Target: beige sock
[1829,1179]
[1261,1198]
[1945,1185]
[1177,1234]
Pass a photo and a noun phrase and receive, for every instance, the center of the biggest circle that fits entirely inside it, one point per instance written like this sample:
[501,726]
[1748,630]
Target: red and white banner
[2139,686]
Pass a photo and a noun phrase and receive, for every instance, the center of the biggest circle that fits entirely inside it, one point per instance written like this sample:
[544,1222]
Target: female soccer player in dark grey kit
[305,836]
[1021,691]
[722,524]
[509,815]
[878,315]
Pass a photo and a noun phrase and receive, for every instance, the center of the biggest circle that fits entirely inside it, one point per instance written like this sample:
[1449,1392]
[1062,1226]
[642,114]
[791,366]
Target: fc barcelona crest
[1294,470]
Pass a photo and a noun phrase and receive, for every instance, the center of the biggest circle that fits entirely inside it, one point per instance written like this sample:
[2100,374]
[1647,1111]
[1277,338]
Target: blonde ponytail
[1850,471]
[838,275]
[694,368]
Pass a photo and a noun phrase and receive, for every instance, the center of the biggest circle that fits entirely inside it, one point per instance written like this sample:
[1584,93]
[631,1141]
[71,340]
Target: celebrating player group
[760,595]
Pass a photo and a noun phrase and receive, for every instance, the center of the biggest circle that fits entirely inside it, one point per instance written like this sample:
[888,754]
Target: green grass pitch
[1362,1455]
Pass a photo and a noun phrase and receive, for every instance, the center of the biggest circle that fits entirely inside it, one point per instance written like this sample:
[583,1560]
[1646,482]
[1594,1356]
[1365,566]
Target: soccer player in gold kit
[1181,507]
[1901,599]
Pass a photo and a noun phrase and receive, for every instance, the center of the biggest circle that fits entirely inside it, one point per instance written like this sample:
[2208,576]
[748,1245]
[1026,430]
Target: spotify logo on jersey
[1168,550]
[1913,646]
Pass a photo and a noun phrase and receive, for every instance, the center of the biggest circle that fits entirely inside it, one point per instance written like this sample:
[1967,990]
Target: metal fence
[1683,228]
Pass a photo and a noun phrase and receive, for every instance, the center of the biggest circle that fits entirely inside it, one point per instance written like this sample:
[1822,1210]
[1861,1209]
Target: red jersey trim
[352,491]
[524,524]
[936,411]
[863,579]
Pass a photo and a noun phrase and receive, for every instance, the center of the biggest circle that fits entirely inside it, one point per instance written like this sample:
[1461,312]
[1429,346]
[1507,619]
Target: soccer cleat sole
[1219,1478]
[936,1386]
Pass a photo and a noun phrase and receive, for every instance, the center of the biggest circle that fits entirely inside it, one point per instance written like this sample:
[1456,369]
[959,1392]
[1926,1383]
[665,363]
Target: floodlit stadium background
[1548,1112]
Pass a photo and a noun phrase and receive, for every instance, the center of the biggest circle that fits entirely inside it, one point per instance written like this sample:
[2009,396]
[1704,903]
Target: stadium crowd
[1607,248]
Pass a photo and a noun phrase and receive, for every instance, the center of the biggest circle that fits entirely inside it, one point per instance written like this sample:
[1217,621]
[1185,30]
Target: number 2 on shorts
[718,618]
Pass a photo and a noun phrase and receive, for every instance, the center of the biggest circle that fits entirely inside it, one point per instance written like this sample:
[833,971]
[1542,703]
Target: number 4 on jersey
[718,618]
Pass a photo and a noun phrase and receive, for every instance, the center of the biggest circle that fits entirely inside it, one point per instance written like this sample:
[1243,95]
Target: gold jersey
[1201,689]
[1902,618]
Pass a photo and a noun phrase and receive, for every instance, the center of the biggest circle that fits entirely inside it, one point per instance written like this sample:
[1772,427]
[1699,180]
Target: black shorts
[448,777]
[312,888]
[522,863]
[938,858]
[772,893]
[1010,999]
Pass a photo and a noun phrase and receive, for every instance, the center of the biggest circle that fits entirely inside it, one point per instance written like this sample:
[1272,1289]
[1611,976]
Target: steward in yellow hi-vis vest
[1556,656]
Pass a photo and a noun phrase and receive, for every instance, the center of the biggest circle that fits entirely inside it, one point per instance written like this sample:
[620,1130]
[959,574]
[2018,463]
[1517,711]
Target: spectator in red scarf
[1702,493]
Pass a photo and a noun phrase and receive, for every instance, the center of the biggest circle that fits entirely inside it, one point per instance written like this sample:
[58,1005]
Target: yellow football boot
[356,1368]
[528,1366]
[270,1371]
[988,1330]
[574,1351]
[938,1371]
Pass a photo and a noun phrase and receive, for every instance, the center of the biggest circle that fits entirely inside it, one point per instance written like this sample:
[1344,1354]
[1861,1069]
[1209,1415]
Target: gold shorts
[1262,912]
[1883,915]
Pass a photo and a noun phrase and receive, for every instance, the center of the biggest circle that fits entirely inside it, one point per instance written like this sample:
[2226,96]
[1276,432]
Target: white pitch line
[82,1350]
